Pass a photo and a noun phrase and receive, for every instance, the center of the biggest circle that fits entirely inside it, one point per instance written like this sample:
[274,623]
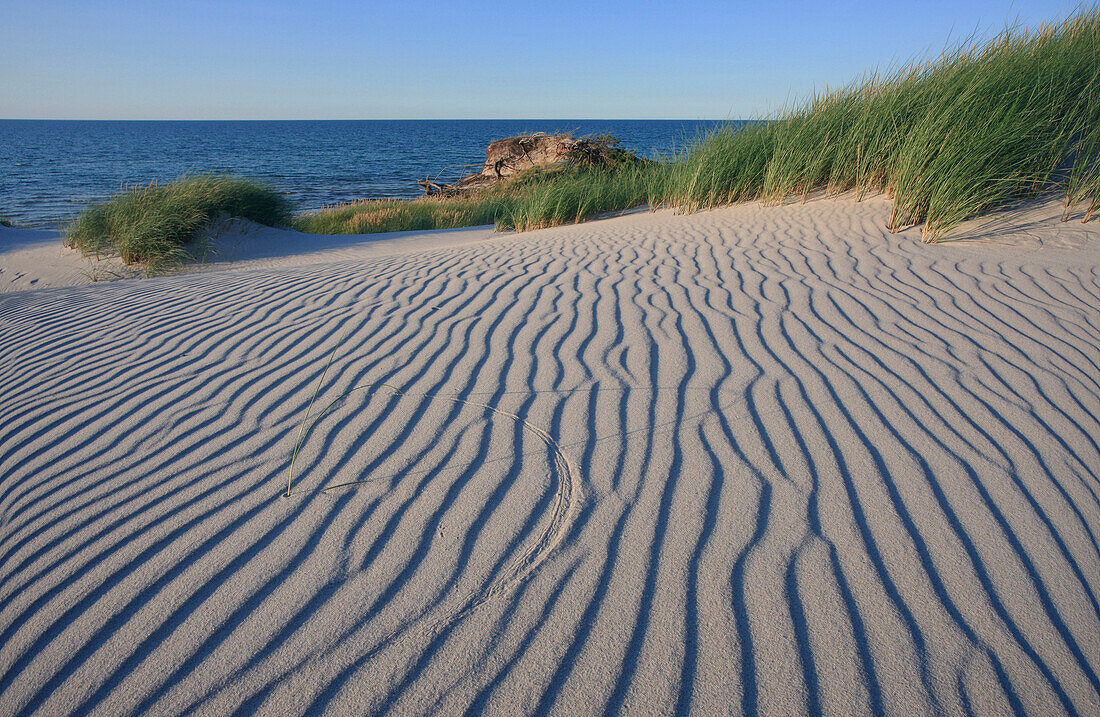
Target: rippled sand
[751,460]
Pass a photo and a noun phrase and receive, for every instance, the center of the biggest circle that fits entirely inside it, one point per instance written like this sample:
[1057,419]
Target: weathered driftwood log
[431,187]
[508,157]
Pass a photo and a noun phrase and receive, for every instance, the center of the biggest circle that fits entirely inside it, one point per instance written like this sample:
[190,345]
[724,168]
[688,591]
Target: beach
[755,459]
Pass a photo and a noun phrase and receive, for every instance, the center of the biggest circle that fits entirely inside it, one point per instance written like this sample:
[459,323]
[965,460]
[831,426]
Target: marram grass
[399,215]
[947,140]
[302,427]
[152,225]
[575,196]
[529,201]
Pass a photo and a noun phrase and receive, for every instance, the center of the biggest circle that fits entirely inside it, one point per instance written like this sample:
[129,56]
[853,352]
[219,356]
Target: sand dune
[750,460]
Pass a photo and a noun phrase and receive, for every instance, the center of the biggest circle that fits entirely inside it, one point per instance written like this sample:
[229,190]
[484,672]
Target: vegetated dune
[748,460]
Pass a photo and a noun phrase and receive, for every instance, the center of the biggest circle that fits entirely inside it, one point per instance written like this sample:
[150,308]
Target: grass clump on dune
[152,225]
[531,200]
[975,130]
[400,215]
[574,196]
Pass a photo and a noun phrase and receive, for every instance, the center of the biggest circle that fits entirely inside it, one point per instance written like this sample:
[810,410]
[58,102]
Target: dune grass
[1083,181]
[152,225]
[400,215]
[529,201]
[974,130]
[574,196]
[302,427]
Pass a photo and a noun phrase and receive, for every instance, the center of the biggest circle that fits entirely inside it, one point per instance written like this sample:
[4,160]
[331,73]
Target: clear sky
[338,59]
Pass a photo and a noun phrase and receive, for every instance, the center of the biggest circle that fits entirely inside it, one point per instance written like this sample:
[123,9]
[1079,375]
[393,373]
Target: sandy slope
[747,460]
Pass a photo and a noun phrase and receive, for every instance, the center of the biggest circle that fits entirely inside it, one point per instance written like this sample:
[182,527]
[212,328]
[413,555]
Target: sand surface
[753,460]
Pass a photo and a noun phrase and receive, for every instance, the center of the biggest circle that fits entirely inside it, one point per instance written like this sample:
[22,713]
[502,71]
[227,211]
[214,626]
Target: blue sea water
[51,169]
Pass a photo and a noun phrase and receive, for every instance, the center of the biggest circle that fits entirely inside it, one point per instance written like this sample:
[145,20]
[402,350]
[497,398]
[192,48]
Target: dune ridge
[748,460]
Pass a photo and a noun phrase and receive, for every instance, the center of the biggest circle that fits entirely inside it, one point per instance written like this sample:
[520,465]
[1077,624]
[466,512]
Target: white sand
[770,460]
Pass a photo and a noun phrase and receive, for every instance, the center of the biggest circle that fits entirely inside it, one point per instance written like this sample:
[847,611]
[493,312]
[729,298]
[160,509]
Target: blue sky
[273,59]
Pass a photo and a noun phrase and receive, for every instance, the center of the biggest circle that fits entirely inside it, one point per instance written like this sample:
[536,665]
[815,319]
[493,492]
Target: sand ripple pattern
[745,461]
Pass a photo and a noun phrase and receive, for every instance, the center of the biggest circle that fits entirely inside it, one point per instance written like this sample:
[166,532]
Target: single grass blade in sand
[305,421]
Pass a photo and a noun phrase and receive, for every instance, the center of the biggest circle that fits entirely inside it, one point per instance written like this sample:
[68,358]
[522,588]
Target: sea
[51,169]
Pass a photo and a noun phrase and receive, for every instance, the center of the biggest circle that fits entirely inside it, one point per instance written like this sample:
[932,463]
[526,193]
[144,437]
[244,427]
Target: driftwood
[507,157]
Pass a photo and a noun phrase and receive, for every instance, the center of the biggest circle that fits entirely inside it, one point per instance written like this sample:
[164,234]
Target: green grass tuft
[152,225]
[977,129]
[400,215]
[573,196]
[533,200]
